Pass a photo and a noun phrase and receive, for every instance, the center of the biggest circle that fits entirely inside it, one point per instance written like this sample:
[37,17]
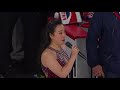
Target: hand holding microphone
[74,51]
[68,44]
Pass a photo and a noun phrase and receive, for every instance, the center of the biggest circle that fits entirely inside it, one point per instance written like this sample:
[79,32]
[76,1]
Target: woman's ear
[51,36]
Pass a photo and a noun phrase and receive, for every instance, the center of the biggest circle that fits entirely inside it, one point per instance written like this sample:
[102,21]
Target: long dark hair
[45,35]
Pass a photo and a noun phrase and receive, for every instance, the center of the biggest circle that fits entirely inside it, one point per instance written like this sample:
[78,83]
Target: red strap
[117,15]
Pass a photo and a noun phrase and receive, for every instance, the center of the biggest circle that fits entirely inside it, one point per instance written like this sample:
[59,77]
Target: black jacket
[103,41]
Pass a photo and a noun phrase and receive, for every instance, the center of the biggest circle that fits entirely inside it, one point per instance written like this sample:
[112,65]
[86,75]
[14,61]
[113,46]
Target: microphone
[68,44]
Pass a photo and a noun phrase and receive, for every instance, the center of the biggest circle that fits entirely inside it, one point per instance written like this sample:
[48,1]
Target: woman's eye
[60,33]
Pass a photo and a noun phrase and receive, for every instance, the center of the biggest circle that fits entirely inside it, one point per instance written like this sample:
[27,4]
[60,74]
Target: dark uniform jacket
[103,41]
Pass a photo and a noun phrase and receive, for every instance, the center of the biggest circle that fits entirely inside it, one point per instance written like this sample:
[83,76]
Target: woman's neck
[55,46]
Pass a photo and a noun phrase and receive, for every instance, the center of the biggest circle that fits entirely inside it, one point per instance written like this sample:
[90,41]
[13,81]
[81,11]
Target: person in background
[103,44]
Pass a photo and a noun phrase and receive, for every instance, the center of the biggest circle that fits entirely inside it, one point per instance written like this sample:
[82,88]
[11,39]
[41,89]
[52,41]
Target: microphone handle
[82,55]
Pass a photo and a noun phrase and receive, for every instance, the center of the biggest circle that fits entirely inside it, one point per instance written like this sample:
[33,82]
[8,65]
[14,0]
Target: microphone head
[68,44]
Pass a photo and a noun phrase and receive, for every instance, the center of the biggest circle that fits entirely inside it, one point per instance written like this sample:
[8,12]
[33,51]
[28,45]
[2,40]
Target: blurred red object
[50,18]
[75,32]
[85,25]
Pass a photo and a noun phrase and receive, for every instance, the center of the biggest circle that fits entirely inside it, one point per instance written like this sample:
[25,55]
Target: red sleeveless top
[61,55]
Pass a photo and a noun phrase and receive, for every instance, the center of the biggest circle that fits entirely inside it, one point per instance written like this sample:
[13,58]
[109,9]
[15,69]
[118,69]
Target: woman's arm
[49,61]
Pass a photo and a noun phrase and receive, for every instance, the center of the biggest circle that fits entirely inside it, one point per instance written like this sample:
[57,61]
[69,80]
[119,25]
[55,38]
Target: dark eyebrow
[60,30]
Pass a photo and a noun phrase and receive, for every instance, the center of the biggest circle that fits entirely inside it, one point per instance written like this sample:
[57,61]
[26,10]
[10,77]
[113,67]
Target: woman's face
[58,36]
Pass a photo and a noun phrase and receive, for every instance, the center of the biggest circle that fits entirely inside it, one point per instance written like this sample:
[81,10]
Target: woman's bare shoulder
[47,56]
[48,52]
